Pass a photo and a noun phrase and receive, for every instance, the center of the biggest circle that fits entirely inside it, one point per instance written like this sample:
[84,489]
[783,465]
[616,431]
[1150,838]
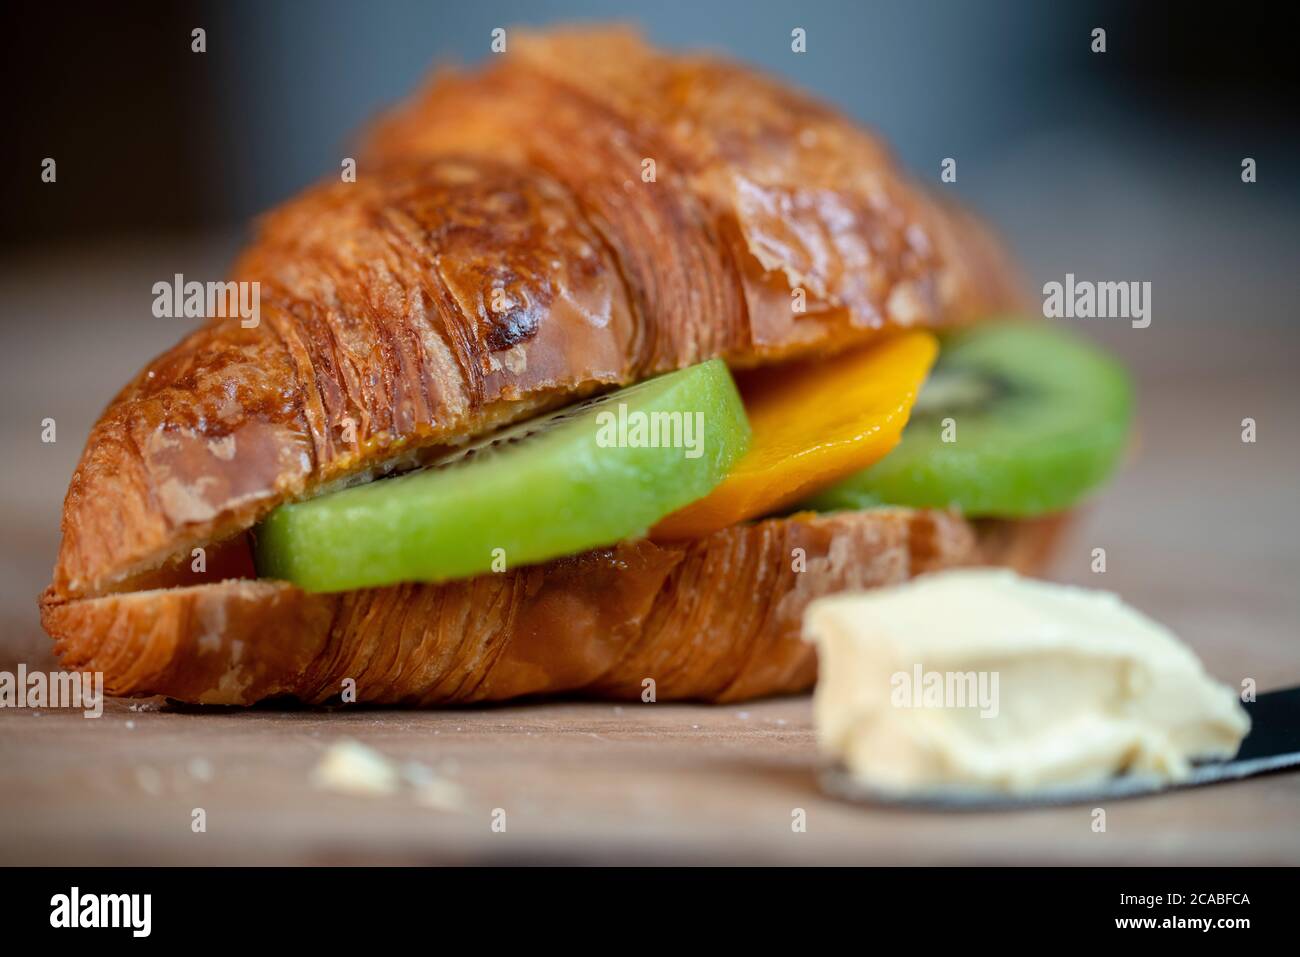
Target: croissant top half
[584,212]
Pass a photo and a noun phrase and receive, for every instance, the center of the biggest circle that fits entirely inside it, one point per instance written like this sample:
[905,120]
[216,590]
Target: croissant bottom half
[715,620]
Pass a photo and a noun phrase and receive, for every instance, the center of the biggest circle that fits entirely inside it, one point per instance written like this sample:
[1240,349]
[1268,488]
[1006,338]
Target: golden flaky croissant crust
[718,619]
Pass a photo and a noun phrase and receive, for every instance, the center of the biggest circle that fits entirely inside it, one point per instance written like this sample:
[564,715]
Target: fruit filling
[1016,420]
[814,422]
[589,475]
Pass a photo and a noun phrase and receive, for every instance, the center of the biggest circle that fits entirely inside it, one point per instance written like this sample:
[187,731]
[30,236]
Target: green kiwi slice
[1017,419]
[590,475]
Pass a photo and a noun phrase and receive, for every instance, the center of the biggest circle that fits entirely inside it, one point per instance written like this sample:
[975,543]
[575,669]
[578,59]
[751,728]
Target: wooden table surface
[1201,531]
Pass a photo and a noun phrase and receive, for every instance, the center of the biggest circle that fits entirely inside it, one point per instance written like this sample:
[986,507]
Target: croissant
[377,351]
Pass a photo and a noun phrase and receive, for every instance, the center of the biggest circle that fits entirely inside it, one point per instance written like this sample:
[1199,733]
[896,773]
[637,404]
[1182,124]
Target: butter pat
[978,679]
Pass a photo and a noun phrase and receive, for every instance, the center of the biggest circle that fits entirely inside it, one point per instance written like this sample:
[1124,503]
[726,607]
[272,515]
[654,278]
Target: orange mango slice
[813,423]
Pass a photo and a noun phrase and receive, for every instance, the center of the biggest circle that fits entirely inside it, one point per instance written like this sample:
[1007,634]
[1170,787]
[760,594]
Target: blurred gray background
[1051,139]
[1124,165]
